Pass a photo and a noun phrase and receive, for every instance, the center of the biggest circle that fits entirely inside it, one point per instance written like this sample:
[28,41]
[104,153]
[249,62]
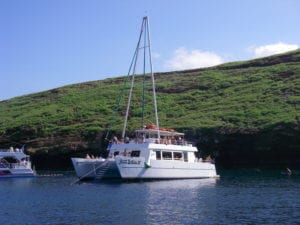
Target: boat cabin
[13,158]
[162,144]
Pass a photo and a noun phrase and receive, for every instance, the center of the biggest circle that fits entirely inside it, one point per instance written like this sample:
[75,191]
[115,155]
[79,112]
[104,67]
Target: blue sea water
[235,198]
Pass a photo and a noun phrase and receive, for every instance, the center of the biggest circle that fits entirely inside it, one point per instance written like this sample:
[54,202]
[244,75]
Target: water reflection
[16,182]
[232,199]
[180,184]
[179,201]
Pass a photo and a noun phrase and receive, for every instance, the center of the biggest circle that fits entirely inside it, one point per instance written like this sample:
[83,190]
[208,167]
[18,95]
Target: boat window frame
[135,153]
[170,153]
[177,158]
[185,157]
[158,152]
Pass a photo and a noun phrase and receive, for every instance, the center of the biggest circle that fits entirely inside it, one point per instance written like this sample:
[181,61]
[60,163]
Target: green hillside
[241,113]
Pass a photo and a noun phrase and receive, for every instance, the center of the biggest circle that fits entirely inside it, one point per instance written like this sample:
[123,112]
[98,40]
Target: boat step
[101,170]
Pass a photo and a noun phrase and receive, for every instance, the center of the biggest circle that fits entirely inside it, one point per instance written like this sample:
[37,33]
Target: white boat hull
[95,168]
[137,169]
[17,173]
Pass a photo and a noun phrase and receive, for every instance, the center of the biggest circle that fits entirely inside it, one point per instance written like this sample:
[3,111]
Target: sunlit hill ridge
[243,114]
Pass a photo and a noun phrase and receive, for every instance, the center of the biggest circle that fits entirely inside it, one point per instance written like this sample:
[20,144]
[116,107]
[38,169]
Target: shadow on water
[257,178]
[259,173]
[168,183]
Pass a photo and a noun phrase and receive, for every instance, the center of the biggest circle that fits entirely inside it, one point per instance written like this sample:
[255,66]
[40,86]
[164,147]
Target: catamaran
[154,152]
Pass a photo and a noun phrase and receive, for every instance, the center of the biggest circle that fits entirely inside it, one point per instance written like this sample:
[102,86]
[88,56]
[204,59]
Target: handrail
[5,164]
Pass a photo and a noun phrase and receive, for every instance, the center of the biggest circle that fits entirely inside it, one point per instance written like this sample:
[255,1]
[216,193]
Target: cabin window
[185,156]
[135,153]
[11,159]
[167,155]
[116,153]
[158,155]
[177,155]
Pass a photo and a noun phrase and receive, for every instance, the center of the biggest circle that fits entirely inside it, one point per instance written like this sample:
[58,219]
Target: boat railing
[4,165]
[157,141]
[15,165]
[6,150]
[10,150]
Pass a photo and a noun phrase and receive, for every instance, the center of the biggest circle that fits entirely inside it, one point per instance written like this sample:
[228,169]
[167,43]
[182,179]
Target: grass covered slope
[218,107]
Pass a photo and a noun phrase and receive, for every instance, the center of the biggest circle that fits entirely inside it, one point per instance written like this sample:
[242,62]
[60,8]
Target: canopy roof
[161,132]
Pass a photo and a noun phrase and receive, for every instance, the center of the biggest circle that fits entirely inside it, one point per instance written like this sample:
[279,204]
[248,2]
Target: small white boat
[154,153]
[15,163]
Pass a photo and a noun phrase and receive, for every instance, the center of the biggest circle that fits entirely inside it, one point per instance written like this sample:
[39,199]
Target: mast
[152,78]
[147,44]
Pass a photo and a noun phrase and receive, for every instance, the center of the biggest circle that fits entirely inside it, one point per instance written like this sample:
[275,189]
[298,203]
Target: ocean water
[236,198]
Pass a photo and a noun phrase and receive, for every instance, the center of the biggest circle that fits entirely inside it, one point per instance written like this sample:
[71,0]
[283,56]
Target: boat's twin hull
[159,169]
[137,168]
[94,168]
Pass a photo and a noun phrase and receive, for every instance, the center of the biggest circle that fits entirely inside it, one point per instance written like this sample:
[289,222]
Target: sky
[45,44]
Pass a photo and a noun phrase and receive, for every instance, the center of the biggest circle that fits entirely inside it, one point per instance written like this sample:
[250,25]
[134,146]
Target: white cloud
[266,50]
[155,55]
[190,59]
